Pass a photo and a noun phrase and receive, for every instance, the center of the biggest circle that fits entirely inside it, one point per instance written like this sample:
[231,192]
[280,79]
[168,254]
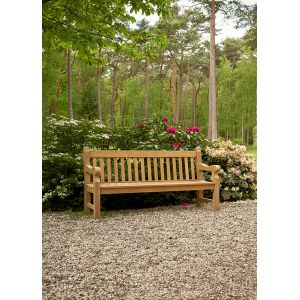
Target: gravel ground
[159,253]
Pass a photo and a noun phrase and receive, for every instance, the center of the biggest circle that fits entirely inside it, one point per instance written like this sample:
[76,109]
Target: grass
[252,150]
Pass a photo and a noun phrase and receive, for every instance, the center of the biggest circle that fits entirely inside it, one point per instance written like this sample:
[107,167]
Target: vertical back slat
[168,168]
[142,168]
[102,169]
[108,170]
[180,168]
[136,170]
[174,168]
[155,169]
[94,162]
[192,168]
[162,171]
[186,167]
[129,169]
[149,169]
[122,170]
[116,171]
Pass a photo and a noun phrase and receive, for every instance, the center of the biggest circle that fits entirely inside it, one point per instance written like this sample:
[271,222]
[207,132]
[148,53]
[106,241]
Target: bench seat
[153,186]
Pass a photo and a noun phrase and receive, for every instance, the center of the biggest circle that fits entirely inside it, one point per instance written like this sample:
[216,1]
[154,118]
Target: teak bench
[132,171]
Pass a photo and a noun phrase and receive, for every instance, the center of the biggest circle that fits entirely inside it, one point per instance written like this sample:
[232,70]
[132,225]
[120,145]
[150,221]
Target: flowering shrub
[238,173]
[63,143]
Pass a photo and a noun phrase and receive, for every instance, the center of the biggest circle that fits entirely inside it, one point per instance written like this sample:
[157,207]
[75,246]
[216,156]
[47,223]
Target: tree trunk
[179,98]
[173,88]
[113,97]
[186,93]
[70,102]
[58,85]
[79,78]
[98,74]
[146,100]
[212,118]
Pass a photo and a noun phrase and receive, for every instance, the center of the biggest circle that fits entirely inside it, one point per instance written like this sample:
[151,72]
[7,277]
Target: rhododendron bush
[63,142]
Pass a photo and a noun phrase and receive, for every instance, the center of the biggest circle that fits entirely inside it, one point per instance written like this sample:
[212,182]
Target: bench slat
[192,168]
[108,170]
[129,170]
[116,172]
[174,168]
[149,169]
[180,169]
[186,167]
[142,169]
[155,169]
[102,169]
[123,178]
[162,171]
[136,170]
[168,168]
[140,153]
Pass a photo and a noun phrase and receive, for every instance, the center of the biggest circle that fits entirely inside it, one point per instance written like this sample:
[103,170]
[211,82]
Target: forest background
[126,85]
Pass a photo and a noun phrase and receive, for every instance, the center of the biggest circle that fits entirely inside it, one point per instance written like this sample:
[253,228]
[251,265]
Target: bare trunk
[113,98]
[98,74]
[212,118]
[193,104]
[58,85]
[179,98]
[186,93]
[70,102]
[173,88]
[146,100]
[79,78]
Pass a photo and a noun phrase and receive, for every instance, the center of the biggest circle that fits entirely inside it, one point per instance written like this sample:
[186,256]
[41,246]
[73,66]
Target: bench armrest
[213,168]
[95,171]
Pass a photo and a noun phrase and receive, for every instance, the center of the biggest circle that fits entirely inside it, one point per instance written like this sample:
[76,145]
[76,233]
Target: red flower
[139,125]
[193,129]
[165,119]
[176,145]
[171,129]
[184,204]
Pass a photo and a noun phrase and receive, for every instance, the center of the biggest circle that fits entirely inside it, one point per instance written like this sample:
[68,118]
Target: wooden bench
[132,171]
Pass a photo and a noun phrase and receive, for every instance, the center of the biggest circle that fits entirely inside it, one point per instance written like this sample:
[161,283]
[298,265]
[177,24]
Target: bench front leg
[96,173]
[214,169]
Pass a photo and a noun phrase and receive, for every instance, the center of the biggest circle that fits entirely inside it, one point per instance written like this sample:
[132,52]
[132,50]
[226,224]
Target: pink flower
[176,145]
[193,129]
[171,129]
[184,204]
[139,125]
[165,119]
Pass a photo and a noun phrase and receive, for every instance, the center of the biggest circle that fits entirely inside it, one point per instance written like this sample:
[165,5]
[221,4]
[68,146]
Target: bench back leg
[87,199]
[199,198]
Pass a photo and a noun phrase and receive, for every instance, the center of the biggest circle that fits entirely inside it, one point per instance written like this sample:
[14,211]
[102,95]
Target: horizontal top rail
[139,153]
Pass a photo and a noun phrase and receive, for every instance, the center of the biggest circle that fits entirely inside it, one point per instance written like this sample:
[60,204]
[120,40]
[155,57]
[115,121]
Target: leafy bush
[63,143]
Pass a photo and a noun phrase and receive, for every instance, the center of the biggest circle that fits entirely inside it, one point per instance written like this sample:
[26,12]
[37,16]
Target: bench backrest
[144,165]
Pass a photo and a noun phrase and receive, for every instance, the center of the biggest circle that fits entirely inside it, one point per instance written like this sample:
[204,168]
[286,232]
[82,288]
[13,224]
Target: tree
[87,25]
[70,100]
[232,8]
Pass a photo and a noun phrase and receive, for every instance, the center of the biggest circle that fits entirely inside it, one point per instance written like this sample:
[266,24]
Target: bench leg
[200,199]
[216,197]
[87,199]
[97,201]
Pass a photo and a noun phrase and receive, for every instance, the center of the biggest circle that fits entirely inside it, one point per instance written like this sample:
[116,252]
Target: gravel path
[159,253]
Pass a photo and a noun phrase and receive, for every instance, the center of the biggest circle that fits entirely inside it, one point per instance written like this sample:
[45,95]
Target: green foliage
[63,143]
[85,26]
